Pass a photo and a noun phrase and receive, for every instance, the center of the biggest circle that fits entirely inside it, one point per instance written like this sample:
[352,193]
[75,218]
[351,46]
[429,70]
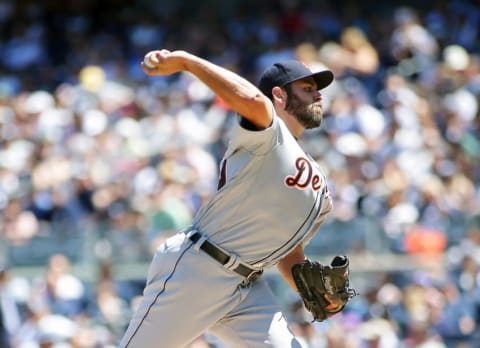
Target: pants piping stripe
[156,297]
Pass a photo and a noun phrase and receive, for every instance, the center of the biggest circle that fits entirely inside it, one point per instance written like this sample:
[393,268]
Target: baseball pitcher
[271,199]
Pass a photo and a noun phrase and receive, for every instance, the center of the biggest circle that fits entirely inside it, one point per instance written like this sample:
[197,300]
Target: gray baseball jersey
[272,197]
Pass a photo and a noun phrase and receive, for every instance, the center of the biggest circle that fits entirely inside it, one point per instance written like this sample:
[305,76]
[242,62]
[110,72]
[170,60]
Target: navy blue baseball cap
[283,73]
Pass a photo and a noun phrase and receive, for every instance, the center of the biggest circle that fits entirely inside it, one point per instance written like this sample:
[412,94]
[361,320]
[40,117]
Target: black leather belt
[248,273]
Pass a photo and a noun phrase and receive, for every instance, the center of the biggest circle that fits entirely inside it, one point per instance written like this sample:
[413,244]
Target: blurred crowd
[99,164]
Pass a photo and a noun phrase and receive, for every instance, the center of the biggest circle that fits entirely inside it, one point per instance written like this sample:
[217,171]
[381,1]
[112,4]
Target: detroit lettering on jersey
[305,176]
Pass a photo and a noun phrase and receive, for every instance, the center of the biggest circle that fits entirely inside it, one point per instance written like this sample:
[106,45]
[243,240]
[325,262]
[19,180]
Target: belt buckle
[254,275]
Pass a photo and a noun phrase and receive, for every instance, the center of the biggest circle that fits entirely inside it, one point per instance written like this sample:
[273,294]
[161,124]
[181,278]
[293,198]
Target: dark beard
[309,115]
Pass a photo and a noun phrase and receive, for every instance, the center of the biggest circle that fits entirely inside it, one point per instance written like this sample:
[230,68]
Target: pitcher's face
[305,102]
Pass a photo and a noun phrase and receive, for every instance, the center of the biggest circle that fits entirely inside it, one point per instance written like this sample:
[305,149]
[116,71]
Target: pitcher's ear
[278,93]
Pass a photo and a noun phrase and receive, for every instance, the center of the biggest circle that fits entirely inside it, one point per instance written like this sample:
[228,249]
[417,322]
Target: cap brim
[322,78]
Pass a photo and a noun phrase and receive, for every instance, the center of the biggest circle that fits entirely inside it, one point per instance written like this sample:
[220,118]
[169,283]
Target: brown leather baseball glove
[320,286]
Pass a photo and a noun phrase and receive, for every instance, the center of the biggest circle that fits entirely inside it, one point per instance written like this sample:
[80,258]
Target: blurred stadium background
[99,164]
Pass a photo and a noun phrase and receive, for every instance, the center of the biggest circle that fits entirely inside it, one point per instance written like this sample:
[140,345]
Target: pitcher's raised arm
[237,92]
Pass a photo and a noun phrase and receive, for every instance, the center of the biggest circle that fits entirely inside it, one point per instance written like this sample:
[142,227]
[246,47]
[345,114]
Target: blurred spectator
[420,240]
[360,55]
[10,319]
[378,333]
[412,45]
[419,335]
[457,321]
[60,292]
[112,310]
